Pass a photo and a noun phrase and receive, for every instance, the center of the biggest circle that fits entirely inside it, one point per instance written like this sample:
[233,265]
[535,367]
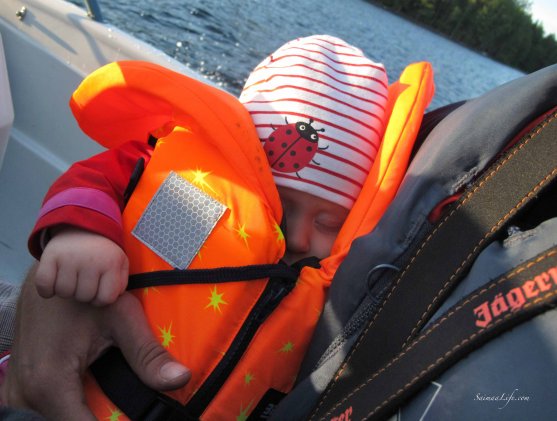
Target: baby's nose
[297,241]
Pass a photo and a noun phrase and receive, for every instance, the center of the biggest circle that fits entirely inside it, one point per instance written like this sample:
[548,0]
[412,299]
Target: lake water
[225,39]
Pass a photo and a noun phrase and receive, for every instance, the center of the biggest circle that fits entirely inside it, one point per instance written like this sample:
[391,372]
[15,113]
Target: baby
[318,105]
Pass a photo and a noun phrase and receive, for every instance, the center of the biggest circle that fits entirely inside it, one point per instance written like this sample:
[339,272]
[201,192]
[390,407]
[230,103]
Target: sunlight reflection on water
[225,39]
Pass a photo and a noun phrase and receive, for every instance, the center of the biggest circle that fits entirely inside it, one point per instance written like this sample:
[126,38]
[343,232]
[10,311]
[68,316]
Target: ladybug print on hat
[292,147]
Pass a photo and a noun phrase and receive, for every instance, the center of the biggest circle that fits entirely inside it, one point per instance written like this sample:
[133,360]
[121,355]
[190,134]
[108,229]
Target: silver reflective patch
[178,220]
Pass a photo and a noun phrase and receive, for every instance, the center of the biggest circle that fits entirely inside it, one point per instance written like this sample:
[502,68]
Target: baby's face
[312,224]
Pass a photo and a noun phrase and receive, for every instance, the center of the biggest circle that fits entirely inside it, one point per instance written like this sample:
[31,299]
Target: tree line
[502,29]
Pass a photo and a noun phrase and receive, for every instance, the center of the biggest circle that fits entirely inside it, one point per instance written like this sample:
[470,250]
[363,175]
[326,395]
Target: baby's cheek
[322,244]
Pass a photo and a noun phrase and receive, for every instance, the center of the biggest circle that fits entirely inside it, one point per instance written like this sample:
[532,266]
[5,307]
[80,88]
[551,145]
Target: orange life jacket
[209,149]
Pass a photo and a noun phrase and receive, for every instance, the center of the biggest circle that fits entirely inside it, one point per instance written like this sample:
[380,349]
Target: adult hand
[57,339]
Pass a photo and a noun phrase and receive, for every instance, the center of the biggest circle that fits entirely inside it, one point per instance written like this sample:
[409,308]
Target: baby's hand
[84,266]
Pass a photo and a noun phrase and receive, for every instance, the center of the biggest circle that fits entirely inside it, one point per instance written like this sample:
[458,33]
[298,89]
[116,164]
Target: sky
[545,11]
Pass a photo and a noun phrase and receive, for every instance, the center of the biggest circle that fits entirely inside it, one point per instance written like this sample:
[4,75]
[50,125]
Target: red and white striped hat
[319,107]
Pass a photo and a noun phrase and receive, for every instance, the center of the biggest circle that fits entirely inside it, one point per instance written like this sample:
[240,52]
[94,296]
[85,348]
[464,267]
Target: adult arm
[9,294]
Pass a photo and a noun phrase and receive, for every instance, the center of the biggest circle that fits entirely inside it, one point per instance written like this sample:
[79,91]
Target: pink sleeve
[84,197]
[90,195]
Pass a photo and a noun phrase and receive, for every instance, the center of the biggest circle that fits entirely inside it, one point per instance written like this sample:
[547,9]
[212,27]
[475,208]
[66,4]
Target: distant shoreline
[437,32]
[419,23]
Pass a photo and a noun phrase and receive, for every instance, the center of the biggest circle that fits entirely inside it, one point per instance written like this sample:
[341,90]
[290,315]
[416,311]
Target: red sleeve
[90,194]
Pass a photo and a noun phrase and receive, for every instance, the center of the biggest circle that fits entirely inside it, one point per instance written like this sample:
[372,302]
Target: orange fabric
[208,131]
[246,234]
[130,99]
[409,98]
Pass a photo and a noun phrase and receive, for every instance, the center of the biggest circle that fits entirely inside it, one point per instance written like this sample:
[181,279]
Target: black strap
[134,179]
[123,387]
[212,276]
[442,258]
[513,298]
[130,394]
[152,141]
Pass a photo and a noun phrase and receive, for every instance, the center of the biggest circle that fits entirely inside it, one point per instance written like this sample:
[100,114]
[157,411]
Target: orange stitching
[498,224]
[418,252]
[454,349]
[432,328]
[471,254]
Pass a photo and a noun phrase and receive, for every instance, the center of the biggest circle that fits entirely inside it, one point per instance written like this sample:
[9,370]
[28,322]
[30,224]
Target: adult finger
[143,352]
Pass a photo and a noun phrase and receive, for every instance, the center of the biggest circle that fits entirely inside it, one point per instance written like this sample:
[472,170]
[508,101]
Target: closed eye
[328,226]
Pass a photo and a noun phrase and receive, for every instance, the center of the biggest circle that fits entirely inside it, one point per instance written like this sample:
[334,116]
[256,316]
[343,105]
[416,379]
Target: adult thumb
[145,355]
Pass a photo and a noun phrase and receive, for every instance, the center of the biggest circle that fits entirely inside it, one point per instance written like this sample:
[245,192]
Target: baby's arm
[82,265]
[81,214]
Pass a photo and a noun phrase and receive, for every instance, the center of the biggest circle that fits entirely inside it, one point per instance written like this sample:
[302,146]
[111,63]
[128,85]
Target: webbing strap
[139,402]
[513,298]
[212,276]
[440,261]
[130,394]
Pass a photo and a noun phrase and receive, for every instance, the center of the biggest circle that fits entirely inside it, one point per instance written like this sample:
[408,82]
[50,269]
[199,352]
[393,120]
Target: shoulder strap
[513,298]
[441,260]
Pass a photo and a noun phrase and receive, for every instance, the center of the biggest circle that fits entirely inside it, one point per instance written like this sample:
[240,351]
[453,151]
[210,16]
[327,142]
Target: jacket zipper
[274,292]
